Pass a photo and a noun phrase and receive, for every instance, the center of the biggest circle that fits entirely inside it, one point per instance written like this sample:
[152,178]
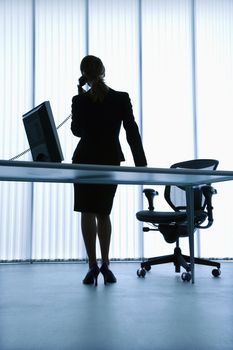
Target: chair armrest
[150,194]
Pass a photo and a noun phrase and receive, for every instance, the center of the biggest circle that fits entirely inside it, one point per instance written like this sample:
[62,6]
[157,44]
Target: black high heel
[92,275]
[107,274]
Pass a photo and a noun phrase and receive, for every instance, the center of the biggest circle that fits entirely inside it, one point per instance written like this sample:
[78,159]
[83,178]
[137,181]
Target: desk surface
[27,171]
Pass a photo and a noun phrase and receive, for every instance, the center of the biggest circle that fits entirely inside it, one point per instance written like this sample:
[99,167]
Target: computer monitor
[42,134]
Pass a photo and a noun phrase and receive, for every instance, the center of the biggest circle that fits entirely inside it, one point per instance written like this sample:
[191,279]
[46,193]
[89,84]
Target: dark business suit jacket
[98,125]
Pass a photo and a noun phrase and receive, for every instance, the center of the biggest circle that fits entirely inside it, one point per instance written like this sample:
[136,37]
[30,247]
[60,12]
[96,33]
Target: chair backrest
[176,197]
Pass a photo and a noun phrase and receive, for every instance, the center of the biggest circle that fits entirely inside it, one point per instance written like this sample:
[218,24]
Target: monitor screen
[42,134]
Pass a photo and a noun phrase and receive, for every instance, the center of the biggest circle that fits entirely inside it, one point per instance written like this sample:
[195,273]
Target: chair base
[179,260]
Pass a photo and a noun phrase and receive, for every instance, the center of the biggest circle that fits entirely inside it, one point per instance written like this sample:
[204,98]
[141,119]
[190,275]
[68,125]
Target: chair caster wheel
[186,276]
[147,267]
[141,272]
[216,272]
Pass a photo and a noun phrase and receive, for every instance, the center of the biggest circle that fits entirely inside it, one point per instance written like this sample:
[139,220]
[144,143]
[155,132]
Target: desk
[102,174]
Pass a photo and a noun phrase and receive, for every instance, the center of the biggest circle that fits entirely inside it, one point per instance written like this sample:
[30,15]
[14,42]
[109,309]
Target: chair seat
[159,217]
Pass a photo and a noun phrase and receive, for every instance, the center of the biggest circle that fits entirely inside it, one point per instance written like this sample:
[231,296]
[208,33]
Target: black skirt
[96,199]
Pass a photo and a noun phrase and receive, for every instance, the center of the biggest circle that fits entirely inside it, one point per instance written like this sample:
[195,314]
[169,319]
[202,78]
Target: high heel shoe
[107,274]
[92,275]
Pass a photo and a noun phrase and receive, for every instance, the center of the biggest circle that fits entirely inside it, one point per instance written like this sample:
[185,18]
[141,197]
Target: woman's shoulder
[118,94]
[74,98]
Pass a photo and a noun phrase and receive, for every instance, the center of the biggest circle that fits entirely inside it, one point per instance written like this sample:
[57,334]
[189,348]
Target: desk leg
[190,214]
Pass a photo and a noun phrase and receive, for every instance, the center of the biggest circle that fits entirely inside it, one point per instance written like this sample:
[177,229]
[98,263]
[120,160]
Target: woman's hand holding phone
[82,80]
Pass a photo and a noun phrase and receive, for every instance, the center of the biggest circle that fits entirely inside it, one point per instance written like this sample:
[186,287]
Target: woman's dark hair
[93,69]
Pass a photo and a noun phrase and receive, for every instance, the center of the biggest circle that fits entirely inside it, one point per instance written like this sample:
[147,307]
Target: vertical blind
[173,57]
[214,59]
[16,97]
[59,46]
[167,93]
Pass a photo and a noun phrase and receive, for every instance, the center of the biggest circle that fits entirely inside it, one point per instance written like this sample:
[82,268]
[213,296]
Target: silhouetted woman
[97,116]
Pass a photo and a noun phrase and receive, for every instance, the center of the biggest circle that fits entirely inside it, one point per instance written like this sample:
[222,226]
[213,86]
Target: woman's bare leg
[104,230]
[89,231]
[104,233]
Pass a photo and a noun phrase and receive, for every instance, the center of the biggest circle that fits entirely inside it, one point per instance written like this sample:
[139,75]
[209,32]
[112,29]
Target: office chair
[173,224]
